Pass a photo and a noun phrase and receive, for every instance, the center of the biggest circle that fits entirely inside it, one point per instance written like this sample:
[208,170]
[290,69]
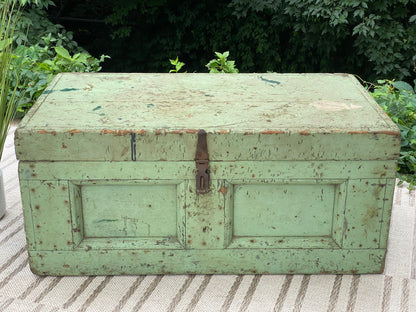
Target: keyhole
[201,183]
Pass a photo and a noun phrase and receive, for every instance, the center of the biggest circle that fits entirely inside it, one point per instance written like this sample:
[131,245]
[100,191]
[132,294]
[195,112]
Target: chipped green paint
[301,179]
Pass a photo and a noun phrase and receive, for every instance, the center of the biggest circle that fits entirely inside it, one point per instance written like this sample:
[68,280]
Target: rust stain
[74,131]
[66,265]
[123,132]
[180,131]
[395,133]
[248,132]
[116,132]
[140,131]
[272,132]
[358,132]
[64,146]
[223,190]
[305,132]
[47,132]
[89,88]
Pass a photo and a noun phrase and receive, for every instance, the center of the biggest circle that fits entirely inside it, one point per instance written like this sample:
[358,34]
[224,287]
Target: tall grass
[8,95]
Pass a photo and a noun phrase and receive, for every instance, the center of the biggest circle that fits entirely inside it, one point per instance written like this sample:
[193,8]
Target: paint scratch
[269,81]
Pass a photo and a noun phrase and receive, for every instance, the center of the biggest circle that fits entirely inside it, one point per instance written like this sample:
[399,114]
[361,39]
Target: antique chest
[206,173]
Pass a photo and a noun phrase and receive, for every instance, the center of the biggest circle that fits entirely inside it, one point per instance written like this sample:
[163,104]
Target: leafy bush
[219,65]
[222,64]
[41,62]
[398,99]
[376,37]
[178,65]
[34,24]
[370,38]
[43,49]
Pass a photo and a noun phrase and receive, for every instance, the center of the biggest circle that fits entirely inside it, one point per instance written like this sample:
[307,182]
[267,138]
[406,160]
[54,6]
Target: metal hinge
[202,163]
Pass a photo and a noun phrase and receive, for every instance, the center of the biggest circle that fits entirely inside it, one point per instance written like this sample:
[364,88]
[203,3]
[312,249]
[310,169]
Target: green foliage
[178,65]
[41,4]
[33,26]
[398,100]
[377,37]
[41,62]
[9,72]
[121,15]
[221,64]
[41,50]
[370,38]
[63,62]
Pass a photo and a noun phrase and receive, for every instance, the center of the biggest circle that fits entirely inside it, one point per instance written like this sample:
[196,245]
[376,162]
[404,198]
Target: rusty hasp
[202,163]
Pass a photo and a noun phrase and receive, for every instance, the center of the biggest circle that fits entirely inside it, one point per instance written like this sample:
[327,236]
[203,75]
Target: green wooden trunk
[204,173]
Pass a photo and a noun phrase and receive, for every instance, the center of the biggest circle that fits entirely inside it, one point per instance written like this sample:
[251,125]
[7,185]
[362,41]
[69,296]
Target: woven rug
[22,291]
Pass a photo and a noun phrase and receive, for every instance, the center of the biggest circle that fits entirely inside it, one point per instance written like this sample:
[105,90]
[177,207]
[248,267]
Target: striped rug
[22,291]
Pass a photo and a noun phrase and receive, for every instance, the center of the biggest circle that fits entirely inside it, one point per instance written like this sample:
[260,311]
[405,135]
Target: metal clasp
[202,163]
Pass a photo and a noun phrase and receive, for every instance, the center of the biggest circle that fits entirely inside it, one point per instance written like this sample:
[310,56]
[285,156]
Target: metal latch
[202,163]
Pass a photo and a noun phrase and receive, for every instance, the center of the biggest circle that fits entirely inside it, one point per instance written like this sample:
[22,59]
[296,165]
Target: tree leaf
[61,51]
[403,86]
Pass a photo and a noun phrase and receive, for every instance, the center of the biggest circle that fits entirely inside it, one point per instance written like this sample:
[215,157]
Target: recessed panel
[283,210]
[129,210]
